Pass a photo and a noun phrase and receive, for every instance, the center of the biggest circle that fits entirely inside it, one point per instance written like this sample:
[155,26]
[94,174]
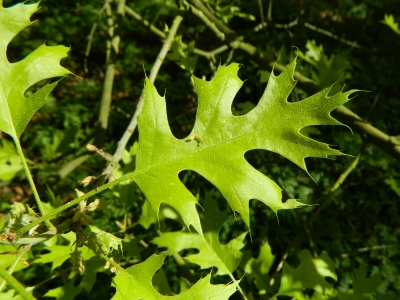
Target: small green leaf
[183,57]
[16,78]
[57,254]
[259,268]
[389,21]
[310,273]
[211,253]
[136,283]
[65,292]
[363,287]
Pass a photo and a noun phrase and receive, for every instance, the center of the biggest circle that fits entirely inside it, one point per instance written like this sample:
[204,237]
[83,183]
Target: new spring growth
[105,155]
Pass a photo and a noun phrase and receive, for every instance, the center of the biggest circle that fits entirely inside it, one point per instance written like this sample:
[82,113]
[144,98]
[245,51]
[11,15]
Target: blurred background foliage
[354,43]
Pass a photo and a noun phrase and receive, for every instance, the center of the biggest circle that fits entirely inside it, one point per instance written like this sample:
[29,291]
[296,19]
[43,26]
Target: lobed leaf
[211,253]
[259,268]
[16,78]
[136,283]
[310,273]
[216,146]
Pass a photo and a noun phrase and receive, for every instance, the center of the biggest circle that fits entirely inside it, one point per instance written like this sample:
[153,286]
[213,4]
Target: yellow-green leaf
[216,146]
[43,63]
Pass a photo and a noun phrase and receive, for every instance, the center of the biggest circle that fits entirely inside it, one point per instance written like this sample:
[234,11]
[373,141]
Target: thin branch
[144,22]
[198,13]
[366,249]
[283,26]
[331,35]
[114,32]
[55,212]
[153,74]
[162,35]
[199,5]
[158,13]
[269,15]
[90,37]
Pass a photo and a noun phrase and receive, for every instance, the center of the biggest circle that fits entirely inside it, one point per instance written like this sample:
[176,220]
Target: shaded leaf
[310,273]
[363,287]
[259,268]
[211,253]
[57,254]
[136,283]
[183,57]
[66,292]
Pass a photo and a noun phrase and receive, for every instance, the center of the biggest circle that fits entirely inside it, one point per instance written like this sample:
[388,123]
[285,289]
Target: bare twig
[162,35]
[331,35]
[153,74]
[158,13]
[90,37]
[366,249]
[207,22]
[222,27]
[114,30]
[269,15]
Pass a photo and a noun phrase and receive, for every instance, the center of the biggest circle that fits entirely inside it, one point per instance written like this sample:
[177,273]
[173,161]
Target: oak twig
[153,74]
[114,32]
[90,37]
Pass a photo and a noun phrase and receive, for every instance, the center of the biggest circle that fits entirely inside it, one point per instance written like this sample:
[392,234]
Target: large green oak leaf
[216,146]
[15,109]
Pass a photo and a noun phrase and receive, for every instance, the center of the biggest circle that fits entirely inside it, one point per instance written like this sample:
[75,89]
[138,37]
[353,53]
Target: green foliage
[326,70]
[138,278]
[259,268]
[310,274]
[43,63]
[389,21]
[212,143]
[225,258]
[363,287]
[218,141]
[183,57]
